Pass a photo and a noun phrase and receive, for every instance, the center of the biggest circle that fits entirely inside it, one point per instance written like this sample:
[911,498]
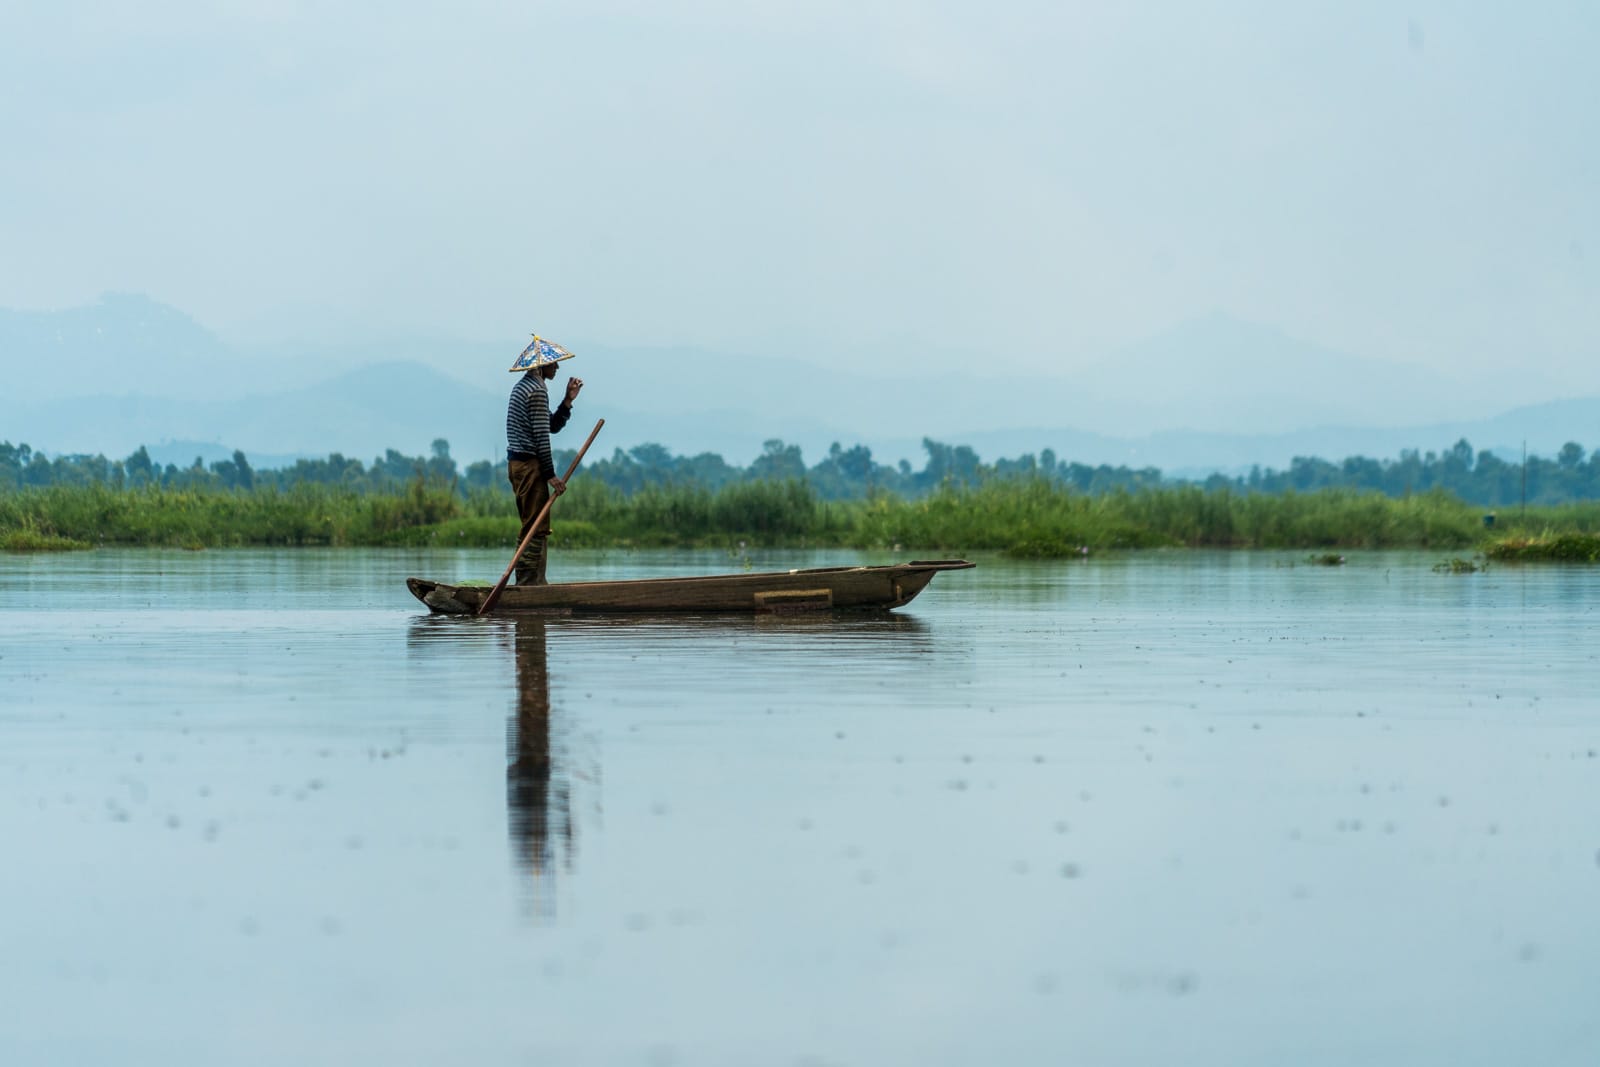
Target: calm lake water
[257,807]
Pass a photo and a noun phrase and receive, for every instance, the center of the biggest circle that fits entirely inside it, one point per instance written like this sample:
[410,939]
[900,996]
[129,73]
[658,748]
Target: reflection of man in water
[539,802]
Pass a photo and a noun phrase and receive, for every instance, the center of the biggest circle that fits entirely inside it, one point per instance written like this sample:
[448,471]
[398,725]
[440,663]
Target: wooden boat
[818,589]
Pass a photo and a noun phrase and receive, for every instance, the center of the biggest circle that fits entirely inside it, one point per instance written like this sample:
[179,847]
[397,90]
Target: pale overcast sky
[1037,182]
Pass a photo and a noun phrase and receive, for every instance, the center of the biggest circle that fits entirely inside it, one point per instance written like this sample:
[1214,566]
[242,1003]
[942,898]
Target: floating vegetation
[1548,548]
[1457,566]
[1326,559]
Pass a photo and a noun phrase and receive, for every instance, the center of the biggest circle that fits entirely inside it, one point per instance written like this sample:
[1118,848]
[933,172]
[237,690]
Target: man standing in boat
[530,465]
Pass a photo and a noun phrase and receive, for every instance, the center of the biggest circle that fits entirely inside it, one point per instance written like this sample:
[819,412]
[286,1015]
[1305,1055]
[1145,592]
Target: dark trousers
[532,491]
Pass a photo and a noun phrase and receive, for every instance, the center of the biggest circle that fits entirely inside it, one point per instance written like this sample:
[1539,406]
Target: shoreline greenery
[27,537]
[1549,547]
[1022,517]
[1035,507]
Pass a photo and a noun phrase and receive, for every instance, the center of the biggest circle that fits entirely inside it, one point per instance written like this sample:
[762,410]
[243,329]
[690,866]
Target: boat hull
[821,589]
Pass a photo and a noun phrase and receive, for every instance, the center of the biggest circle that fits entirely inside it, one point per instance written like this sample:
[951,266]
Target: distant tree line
[1482,478]
[21,467]
[1477,478]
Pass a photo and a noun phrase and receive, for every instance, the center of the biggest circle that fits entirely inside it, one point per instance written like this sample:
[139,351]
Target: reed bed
[29,538]
[1023,517]
[1036,519]
[1548,547]
[191,518]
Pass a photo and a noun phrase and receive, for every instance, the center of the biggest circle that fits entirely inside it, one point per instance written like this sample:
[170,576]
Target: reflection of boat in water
[552,777]
[817,589]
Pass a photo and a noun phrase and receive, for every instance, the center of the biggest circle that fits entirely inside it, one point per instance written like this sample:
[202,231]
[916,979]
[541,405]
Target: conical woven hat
[540,353]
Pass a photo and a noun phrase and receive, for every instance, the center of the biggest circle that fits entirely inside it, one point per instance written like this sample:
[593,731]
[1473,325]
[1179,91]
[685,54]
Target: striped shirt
[530,422]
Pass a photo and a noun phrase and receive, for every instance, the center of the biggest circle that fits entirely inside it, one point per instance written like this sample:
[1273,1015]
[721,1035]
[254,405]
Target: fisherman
[530,465]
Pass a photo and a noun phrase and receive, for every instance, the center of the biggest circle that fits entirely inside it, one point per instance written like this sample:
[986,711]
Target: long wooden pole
[494,594]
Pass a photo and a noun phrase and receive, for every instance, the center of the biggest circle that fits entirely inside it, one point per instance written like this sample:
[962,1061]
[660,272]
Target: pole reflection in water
[538,781]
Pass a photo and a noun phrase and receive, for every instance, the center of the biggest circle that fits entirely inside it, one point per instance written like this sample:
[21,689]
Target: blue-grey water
[257,807]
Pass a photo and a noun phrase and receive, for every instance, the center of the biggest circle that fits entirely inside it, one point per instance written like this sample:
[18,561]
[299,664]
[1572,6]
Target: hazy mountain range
[1214,393]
